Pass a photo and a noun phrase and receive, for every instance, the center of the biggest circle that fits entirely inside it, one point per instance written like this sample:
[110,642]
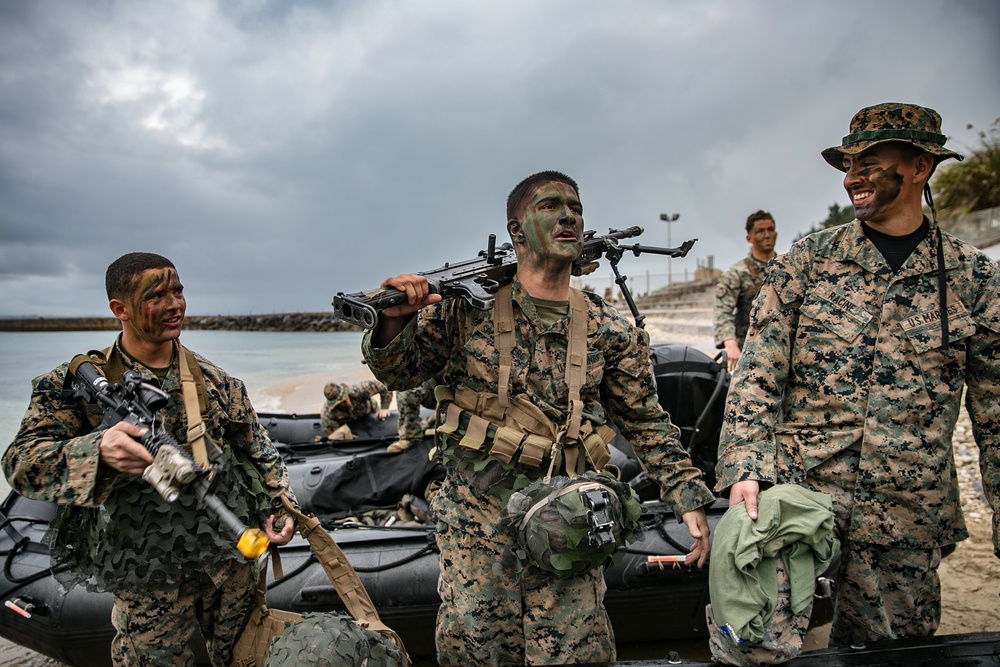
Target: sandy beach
[305,395]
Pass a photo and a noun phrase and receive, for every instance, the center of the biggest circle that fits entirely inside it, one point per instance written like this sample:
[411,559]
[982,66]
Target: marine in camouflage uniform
[345,403]
[852,382]
[170,566]
[408,403]
[737,287]
[491,613]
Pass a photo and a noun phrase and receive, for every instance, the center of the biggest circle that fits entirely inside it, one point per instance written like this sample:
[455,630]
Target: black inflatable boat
[347,482]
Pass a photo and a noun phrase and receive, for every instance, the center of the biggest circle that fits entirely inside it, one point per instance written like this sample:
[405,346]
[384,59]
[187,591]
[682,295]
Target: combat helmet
[570,525]
[332,639]
[335,392]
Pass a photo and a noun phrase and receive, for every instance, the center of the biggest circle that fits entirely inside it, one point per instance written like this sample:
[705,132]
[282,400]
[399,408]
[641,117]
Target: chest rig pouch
[514,430]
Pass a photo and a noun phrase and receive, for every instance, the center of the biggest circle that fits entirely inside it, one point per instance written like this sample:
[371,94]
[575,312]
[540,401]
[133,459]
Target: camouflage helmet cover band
[892,121]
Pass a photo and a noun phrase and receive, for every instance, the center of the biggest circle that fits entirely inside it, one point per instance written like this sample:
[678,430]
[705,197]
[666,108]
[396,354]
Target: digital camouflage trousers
[155,626]
[491,614]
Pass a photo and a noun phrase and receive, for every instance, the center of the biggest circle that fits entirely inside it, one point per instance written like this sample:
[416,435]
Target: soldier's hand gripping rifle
[477,280]
[135,400]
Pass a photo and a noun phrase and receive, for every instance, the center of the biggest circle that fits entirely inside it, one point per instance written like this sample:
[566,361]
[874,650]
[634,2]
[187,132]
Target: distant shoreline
[272,322]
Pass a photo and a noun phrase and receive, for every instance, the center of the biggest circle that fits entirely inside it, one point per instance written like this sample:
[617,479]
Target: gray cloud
[279,152]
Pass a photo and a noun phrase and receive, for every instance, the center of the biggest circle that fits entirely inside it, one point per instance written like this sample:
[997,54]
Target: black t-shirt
[896,249]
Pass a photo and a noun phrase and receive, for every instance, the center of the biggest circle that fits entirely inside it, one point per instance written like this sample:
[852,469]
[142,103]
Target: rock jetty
[263,322]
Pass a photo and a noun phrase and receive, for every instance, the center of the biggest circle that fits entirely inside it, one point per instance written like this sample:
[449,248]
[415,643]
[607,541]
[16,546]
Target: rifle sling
[192,387]
[340,572]
[196,432]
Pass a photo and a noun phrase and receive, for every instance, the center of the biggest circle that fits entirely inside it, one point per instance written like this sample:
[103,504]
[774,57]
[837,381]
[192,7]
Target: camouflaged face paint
[553,224]
[157,304]
[883,186]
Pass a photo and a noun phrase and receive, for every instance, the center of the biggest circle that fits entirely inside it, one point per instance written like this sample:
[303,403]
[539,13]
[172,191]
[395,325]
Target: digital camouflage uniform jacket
[408,403]
[734,294]
[456,340]
[136,536]
[335,414]
[843,354]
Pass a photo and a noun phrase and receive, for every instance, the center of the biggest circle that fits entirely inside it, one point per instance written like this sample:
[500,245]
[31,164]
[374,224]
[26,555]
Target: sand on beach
[304,395]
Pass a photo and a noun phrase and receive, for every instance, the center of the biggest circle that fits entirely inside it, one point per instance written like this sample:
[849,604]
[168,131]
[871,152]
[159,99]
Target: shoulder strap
[576,372]
[576,360]
[110,362]
[195,405]
[503,334]
[341,574]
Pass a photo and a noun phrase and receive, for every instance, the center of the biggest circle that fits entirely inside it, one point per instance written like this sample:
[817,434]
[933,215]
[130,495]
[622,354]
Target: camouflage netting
[332,640]
[137,538]
[554,532]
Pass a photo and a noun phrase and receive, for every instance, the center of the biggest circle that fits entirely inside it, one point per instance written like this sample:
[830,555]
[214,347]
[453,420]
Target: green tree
[836,215]
[960,188]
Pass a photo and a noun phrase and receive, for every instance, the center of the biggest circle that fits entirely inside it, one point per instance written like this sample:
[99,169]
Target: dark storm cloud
[279,152]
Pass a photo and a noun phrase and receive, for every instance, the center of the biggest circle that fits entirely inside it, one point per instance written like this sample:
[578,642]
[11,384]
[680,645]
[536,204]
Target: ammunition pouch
[518,433]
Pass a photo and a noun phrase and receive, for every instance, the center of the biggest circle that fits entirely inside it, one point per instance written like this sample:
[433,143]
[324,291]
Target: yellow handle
[252,542]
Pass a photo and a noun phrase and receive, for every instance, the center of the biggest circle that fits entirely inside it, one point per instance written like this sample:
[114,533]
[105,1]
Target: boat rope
[427,549]
[667,537]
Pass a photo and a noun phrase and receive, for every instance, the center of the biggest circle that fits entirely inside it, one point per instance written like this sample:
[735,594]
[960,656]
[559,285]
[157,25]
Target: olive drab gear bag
[273,637]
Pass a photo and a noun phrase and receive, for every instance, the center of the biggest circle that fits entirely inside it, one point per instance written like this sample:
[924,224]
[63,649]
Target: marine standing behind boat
[491,611]
[737,287]
[169,569]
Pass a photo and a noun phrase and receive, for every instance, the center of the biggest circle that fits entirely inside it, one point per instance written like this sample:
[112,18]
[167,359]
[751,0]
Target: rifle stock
[477,280]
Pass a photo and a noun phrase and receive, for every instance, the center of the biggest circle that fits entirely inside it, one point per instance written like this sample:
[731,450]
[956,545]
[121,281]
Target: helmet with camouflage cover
[571,525]
[332,639]
[335,392]
[892,121]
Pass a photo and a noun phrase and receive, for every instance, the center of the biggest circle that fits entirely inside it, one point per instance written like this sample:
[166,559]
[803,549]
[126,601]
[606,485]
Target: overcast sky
[279,152]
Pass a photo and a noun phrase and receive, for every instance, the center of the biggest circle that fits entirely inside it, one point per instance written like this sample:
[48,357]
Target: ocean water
[272,364]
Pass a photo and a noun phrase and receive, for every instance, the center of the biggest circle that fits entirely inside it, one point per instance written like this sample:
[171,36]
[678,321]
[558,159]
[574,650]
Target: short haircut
[122,273]
[754,217]
[518,197]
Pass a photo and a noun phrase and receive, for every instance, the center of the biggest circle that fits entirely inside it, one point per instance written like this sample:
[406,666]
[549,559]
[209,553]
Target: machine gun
[477,280]
[135,400]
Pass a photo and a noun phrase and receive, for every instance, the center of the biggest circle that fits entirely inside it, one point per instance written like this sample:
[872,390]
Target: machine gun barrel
[136,401]
[477,280]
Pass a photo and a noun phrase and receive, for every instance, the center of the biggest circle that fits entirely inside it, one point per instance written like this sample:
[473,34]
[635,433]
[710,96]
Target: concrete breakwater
[264,322]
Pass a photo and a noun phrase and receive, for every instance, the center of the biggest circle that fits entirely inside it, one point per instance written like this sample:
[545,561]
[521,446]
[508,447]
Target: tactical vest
[513,430]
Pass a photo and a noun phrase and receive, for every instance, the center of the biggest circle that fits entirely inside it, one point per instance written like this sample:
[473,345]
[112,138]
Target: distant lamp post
[667,218]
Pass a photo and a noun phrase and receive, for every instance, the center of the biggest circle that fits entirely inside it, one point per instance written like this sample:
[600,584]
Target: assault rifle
[476,280]
[135,400]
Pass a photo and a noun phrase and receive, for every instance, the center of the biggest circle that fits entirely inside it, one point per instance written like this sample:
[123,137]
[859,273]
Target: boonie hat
[892,121]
